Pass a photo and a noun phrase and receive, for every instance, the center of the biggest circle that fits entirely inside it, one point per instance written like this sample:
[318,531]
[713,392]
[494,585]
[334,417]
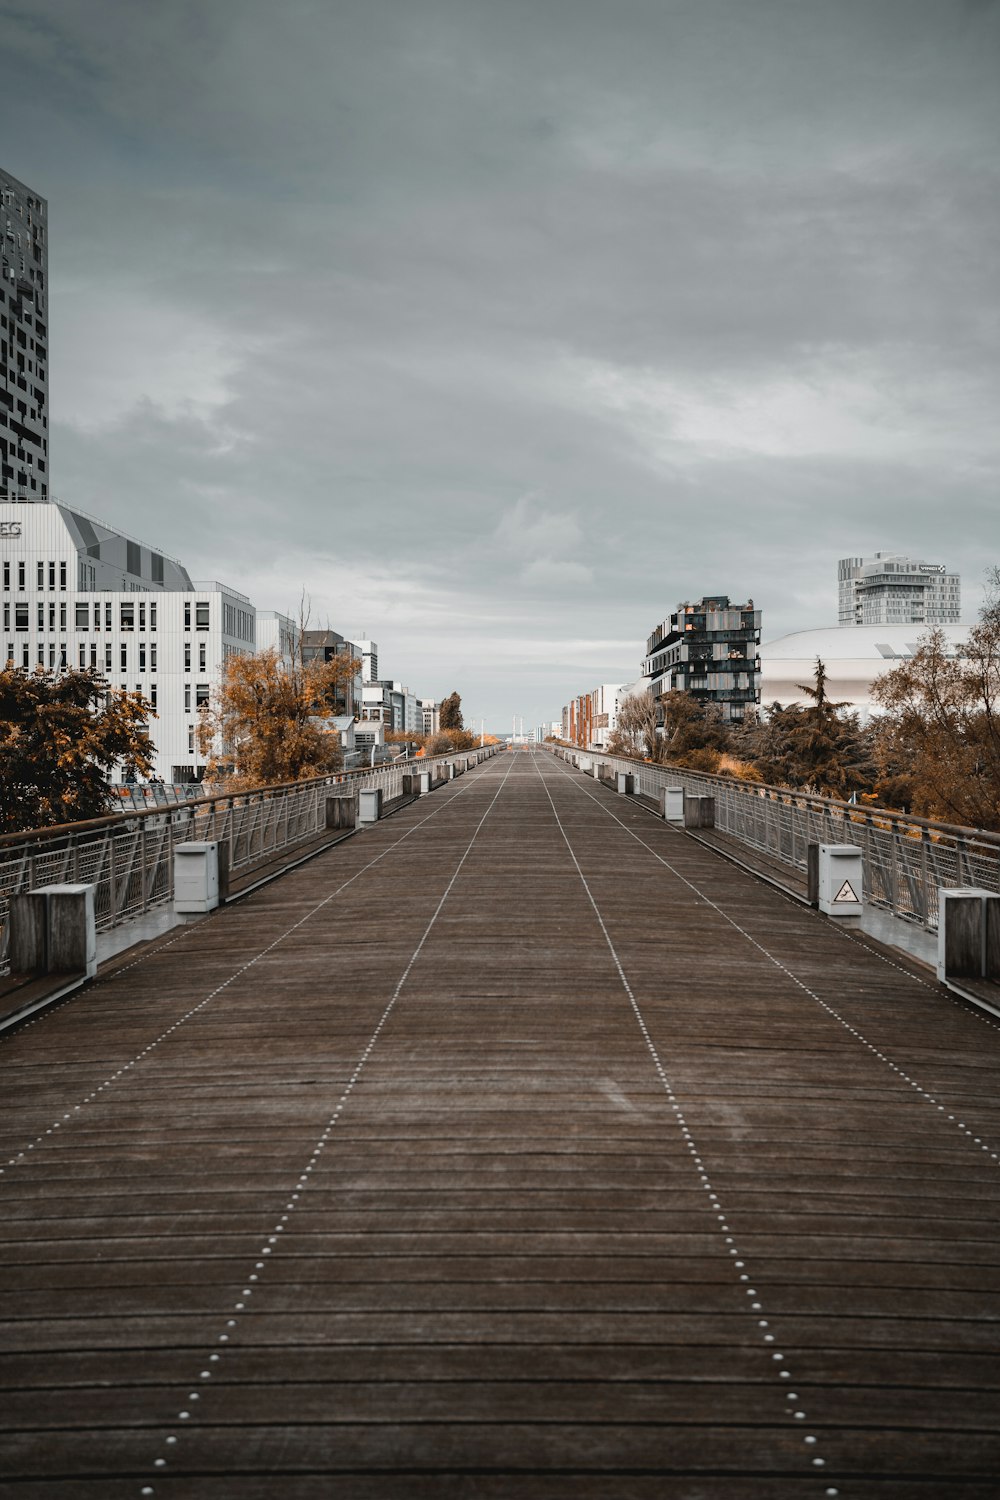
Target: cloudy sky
[501,326]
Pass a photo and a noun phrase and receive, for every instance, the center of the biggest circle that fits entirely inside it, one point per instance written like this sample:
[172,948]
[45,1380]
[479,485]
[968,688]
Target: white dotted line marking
[876,1052]
[246,1292]
[112,1078]
[767,1337]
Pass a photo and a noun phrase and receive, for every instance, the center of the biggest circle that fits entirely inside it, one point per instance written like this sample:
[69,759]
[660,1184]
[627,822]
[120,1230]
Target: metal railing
[906,859]
[128,856]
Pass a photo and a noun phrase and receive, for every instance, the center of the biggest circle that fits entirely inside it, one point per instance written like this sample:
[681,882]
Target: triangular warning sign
[846,893]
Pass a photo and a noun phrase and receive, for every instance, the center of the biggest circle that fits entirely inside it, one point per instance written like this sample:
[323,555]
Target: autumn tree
[450,716]
[940,734]
[62,735]
[635,732]
[269,722]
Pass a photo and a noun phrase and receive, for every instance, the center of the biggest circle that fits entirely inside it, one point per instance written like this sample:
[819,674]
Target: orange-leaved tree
[270,721]
[62,735]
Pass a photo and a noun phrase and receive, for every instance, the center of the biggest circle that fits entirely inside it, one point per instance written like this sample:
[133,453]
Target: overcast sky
[501,326]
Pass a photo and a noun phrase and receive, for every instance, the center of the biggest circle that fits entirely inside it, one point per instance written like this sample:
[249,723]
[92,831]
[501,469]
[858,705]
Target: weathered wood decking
[519,1146]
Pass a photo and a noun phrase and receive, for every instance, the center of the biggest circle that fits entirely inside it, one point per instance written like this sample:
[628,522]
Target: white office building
[78,593]
[890,589]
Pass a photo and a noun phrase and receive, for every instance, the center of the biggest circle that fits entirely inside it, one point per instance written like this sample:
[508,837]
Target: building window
[187,697]
[83,617]
[201,695]
[20,616]
[187,614]
[202,651]
[152,695]
[62,575]
[62,654]
[41,655]
[24,657]
[142,616]
[107,616]
[6,617]
[62,617]
[201,616]
[107,657]
[41,617]
[93,656]
[6,575]
[20,575]
[142,656]
[190,741]
[127,613]
[124,658]
[83,656]
[52,575]
[41,575]
[152,656]
[152,617]
[187,656]
[52,656]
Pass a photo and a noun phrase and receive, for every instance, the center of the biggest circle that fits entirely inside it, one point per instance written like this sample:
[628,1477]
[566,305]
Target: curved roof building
[854,655]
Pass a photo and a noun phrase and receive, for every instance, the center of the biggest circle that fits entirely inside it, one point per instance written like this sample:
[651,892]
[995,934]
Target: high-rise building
[709,650]
[890,589]
[24,341]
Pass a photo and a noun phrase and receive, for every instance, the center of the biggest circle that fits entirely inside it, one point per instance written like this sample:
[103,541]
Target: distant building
[710,650]
[890,589]
[280,634]
[853,660]
[24,342]
[325,646]
[75,592]
[429,715]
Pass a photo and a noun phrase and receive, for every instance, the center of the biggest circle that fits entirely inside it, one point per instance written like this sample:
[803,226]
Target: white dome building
[854,655]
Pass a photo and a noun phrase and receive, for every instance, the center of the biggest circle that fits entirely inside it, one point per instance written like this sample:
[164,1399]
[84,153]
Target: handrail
[116,819]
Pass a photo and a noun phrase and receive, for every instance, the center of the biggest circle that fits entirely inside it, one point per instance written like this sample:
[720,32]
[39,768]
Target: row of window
[22,575]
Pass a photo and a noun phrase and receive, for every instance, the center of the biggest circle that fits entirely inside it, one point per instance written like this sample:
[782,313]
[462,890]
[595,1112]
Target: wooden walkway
[519,1146]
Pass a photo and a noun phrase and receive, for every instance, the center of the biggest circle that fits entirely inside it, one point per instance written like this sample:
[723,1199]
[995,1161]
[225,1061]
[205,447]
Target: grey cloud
[713,284]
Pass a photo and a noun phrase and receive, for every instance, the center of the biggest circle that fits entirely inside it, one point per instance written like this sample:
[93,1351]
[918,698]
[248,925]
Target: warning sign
[846,893]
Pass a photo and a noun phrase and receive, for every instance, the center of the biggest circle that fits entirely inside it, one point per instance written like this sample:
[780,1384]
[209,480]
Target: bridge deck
[520,1146]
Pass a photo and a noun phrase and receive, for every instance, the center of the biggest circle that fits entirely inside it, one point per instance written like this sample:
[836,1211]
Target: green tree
[62,735]
[451,712]
[819,747]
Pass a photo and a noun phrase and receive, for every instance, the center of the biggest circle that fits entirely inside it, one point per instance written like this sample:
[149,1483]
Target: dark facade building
[24,351]
[710,650]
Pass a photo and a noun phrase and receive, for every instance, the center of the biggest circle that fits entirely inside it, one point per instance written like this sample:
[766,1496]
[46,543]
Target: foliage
[819,747]
[451,713]
[268,723]
[939,741]
[450,739]
[695,733]
[61,736]
[635,730]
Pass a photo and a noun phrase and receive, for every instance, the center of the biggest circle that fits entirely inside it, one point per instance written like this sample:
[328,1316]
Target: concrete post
[626,784]
[968,934]
[699,812]
[672,804]
[342,810]
[426,779]
[54,931]
[370,805]
[411,784]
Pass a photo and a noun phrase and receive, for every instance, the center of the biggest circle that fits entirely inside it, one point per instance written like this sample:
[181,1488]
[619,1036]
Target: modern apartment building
[710,650]
[890,589]
[24,341]
[75,592]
